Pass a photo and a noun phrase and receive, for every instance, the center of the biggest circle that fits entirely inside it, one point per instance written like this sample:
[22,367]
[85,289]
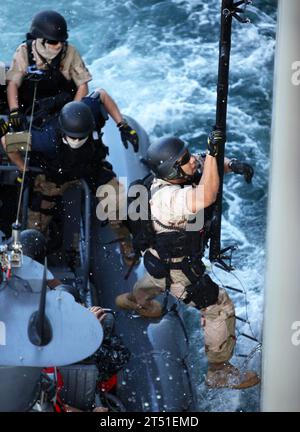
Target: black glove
[17,120]
[214,140]
[53,103]
[241,168]
[3,127]
[128,134]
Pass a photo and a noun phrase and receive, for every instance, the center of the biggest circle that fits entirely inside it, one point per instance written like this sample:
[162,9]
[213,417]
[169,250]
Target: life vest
[51,82]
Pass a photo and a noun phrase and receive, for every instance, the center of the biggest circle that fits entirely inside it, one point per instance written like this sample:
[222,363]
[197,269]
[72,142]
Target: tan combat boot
[152,309]
[225,375]
[125,241]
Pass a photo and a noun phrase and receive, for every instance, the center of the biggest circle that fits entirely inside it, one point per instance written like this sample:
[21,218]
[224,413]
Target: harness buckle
[35,74]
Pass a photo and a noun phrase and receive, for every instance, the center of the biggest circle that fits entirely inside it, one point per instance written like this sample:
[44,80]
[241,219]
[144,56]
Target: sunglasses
[185,159]
[52,42]
[72,138]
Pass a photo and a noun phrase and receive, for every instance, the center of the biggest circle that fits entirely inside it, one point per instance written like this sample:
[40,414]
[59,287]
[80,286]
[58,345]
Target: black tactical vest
[171,244]
[51,81]
[88,162]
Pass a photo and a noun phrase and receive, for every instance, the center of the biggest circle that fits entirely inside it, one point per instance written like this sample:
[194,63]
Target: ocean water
[159,59]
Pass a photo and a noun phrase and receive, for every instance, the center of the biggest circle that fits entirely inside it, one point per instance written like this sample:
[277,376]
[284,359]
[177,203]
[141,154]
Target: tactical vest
[51,81]
[87,162]
[173,244]
[64,164]
[177,243]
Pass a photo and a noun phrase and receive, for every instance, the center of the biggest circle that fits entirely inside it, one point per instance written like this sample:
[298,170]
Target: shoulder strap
[148,180]
[31,61]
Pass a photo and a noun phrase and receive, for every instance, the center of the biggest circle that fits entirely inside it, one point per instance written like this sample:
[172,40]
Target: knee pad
[154,266]
[203,293]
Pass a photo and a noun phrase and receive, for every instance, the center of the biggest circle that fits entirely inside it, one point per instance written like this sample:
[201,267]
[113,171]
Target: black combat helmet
[49,25]
[76,120]
[163,155]
[33,244]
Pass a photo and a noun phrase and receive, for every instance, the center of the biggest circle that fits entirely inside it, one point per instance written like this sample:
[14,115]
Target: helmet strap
[184,175]
[180,174]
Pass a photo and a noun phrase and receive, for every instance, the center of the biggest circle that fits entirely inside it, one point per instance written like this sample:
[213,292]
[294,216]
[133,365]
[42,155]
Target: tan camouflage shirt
[169,205]
[72,65]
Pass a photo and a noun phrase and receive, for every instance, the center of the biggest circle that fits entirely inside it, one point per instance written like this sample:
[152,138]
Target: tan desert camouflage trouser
[117,202]
[40,221]
[218,320]
[37,219]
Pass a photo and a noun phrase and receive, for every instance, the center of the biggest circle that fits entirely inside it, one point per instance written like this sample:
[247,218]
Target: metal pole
[87,231]
[281,336]
[221,115]
[25,203]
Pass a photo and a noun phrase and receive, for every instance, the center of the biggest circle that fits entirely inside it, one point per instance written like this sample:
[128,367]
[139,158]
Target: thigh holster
[155,266]
[203,293]
[36,199]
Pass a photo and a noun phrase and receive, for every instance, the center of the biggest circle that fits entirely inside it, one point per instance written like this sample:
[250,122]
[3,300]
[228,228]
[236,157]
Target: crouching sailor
[173,250]
[68,148]
[45,69]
